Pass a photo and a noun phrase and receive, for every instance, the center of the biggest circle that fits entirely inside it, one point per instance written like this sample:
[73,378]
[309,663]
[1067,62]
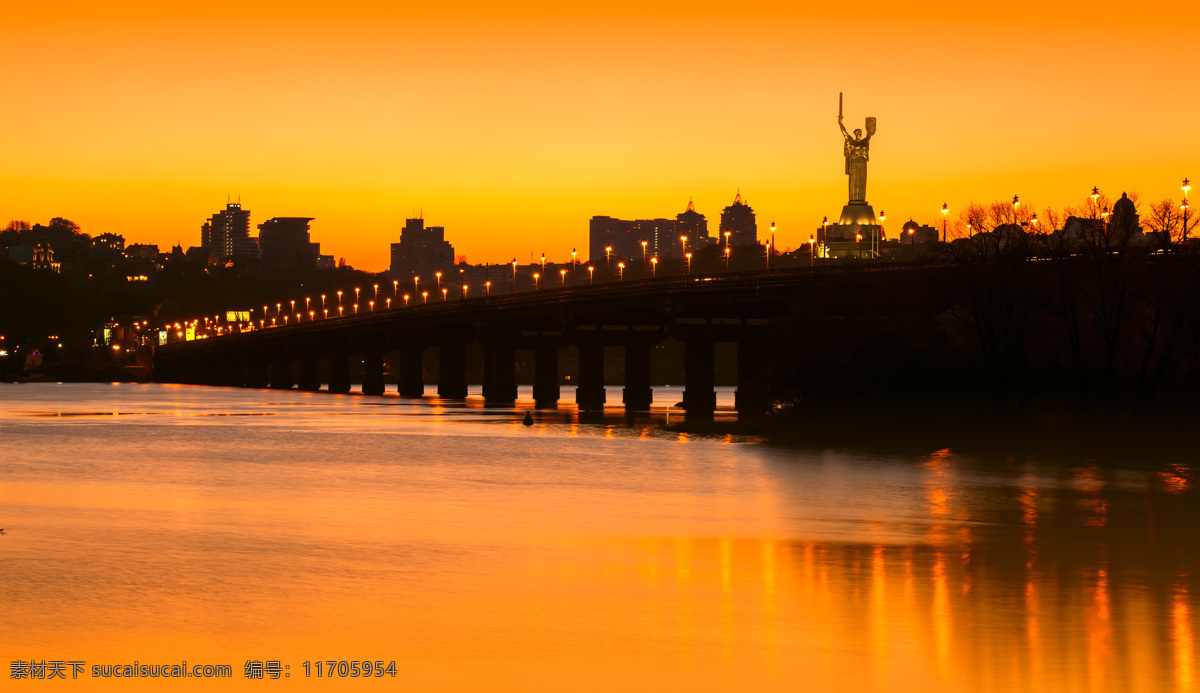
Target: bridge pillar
[310,371]
[545,376]
[339,372]
[637,394]
[699,395]
[452,370]
[590,393]
[412,379]
[190,371]
[752,397]
[499,373]
[256,371]
[281,373]
[211,370]
[233,372]
[373,370]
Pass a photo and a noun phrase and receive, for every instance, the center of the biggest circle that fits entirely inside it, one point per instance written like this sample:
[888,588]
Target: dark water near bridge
[161,523]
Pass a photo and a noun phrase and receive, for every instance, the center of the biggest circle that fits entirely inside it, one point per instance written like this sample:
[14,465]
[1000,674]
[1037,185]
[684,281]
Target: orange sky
[511,127]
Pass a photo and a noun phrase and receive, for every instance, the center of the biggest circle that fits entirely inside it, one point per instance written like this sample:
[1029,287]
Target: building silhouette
[421,251]
[739,220]
[109,241]
[625,236]
[694,225]
[285,246]
[43,258]
[227,234]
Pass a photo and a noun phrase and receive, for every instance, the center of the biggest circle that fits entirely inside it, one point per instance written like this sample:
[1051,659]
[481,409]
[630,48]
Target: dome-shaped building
[1125,221]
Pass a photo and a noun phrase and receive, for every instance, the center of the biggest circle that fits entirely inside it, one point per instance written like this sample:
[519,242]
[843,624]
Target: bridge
[699,310]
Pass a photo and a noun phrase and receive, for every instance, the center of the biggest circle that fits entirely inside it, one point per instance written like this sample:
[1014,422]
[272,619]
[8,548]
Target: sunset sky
[512,125]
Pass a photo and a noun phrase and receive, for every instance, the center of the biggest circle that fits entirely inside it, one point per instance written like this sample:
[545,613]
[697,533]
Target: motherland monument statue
[857,153]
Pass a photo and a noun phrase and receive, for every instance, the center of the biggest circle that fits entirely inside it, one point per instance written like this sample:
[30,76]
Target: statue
[857,153]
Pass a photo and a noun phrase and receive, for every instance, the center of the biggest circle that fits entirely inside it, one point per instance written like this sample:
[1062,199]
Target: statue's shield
[870,126]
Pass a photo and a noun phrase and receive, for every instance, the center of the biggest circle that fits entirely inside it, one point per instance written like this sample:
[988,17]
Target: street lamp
[591,275]
[424,297]
[682,245]
[543,263]
[438,278]
[727,233]
[356,309]
[340,309]
[536,276]
[912,242]
[726,259]
[771,255]
[444,292]
[574,267]
[689,263]
[607,263]
[810,250]
[293,305]
[1033,222]
[643,258]
[768,256]
[376,292]
[654,267]
[416,283]
[1095,200]
[514,282]
[278,309]
[371,306]
[945,211]
[307,303]
[356,294]
[395,288]
[858,237]
[487,287]
[1015,203]
[563,273]
[1187,185]
[879,238]
[405,300]
[621,271]
[462,282]
[824,237]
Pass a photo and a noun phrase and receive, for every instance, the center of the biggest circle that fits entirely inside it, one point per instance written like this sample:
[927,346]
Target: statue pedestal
[858,213]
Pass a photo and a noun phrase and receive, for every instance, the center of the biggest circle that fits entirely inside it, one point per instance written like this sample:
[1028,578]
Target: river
[160,523]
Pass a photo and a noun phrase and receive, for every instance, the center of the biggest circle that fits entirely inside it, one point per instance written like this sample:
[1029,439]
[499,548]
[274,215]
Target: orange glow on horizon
[511,126]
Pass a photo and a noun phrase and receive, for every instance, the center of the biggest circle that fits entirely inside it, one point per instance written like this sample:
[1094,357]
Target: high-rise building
[738,219]
[285,246]
[625,236]
[692,224]
[228,234]
[421,251]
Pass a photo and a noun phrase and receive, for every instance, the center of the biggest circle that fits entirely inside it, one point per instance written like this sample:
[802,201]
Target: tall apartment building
[228,234]
[739,220]
[285,246]
[421,251]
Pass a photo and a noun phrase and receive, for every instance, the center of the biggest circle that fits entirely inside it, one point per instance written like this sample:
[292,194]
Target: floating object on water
[528,419]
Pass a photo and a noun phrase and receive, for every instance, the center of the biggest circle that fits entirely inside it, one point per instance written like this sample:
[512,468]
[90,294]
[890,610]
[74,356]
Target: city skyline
[528,122]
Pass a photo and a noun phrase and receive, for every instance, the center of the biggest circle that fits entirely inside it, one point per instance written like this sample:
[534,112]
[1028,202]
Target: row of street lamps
[406,299]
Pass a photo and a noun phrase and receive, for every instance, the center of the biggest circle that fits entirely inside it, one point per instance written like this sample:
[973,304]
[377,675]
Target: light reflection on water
[220,525]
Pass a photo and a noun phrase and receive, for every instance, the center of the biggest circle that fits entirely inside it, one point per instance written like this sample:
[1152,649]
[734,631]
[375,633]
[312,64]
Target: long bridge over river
[699,310]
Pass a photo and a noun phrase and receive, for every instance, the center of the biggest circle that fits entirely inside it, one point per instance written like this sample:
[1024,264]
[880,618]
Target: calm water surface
[161,523]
